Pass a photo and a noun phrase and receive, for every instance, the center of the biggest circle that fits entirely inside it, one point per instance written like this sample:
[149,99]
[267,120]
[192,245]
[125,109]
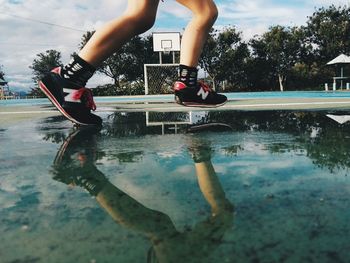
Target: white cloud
[21,39]
[256,16]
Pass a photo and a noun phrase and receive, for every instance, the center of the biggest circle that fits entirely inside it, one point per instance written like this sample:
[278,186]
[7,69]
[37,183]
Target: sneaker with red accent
[74,102]
[200,96]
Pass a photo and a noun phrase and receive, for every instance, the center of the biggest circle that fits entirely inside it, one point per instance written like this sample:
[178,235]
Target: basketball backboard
[166,41]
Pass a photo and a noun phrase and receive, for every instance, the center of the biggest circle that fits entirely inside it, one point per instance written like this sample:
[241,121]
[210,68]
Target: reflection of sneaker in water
[75,162]
[200,151]
[74,102]
[199,96]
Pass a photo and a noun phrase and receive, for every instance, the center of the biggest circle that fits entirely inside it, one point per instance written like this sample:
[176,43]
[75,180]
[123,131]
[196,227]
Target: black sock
[78,71]
[188,75]
[92,180]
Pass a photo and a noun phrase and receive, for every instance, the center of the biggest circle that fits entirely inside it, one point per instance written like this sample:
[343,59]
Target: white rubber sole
[198,105]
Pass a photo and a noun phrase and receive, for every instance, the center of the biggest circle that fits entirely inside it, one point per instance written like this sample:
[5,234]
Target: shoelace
[205,86]
[85,95]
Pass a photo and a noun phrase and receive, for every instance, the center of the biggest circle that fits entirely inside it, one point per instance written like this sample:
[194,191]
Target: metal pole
[160,58]
[341,76]
[146,78]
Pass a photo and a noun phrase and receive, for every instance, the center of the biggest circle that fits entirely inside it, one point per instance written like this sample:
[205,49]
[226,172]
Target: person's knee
[210,14]
[213,13]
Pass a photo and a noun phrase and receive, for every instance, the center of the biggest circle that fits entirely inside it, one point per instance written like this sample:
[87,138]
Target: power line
[42,22]
[32,44]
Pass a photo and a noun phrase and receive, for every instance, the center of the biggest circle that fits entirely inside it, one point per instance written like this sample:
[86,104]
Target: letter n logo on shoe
[71,95]
[203,93]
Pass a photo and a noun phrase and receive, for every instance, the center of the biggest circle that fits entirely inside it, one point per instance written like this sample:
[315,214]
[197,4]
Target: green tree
[329,31]
[258,69]
[280,49]
[306,73]
[2,73]
[223,57]
[42,64]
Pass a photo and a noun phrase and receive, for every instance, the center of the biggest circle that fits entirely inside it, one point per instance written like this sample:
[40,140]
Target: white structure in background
[166,42]
[339,118]
[340,60]
[157,75]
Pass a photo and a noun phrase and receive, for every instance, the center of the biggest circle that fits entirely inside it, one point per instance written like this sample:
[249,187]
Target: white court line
[289,104]
[227,106]
[238,106]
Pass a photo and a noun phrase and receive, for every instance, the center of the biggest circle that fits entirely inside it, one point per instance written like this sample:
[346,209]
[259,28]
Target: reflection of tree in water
[331,148]
[52,130]
[126,157]
[232,150]
[326,142]
[276,121]
[55,137]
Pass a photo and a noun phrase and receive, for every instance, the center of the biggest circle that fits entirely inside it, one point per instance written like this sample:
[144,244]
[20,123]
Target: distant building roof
[341,59]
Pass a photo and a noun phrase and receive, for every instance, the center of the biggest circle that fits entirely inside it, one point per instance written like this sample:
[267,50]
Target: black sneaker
[199,96]
[74,102]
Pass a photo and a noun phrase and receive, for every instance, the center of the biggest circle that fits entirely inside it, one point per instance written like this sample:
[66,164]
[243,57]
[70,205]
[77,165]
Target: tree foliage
[278,49]
[2,73]
[223,57]
[329,30]
[42,64]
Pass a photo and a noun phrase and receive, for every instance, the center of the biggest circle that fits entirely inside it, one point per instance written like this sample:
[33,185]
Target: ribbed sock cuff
[188,75]
[78,71]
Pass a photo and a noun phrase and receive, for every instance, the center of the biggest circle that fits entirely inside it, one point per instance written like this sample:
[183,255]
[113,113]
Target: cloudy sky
[28,27]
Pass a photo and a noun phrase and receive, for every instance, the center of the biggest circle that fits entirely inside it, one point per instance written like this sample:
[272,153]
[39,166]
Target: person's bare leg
[138,18]
[188,91]
[196,32]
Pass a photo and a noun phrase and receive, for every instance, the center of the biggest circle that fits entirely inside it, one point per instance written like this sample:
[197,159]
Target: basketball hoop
[166,43]
[167,50]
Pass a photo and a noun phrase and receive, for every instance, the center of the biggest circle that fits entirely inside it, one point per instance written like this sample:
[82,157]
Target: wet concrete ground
[274,187]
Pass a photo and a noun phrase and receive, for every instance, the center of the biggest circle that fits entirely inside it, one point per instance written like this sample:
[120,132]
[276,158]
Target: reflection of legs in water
[207,179]
[211,188]
[74,165]
[213,229]
[133,215]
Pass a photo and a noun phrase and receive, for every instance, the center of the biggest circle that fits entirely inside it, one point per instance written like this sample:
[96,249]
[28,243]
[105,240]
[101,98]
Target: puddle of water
[272,187]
